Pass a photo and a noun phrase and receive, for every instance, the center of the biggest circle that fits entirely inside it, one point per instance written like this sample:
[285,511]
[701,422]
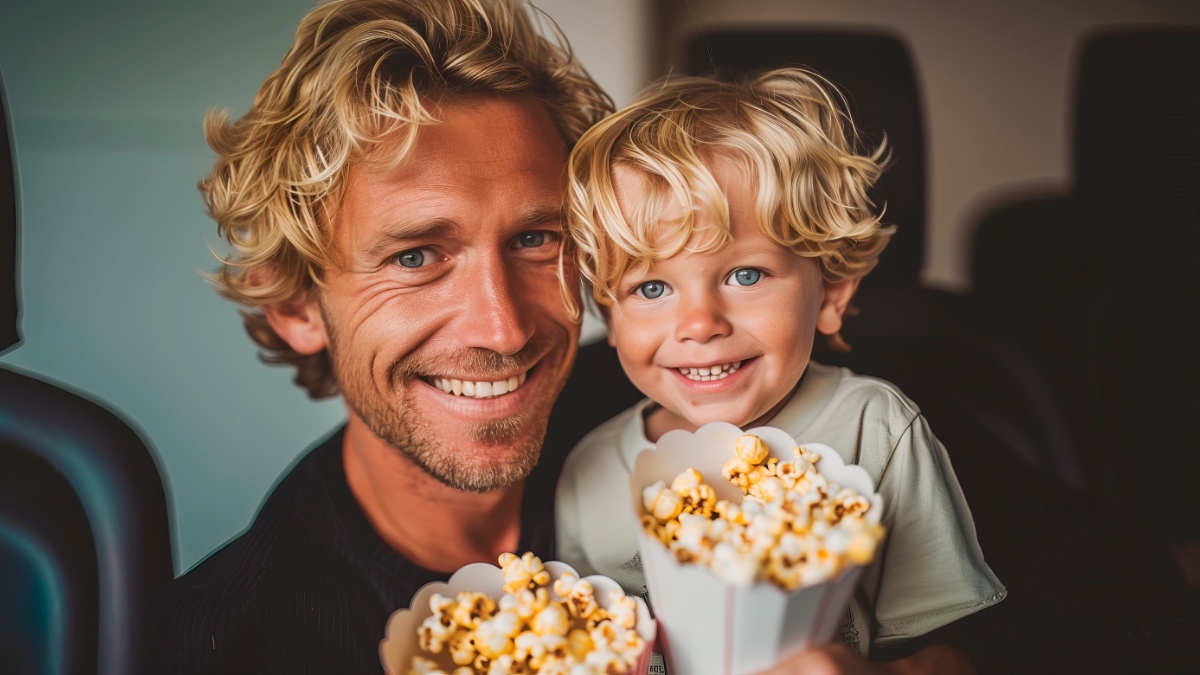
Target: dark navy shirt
[309,586]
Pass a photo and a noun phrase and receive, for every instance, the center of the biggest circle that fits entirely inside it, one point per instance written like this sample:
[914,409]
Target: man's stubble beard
[399,422]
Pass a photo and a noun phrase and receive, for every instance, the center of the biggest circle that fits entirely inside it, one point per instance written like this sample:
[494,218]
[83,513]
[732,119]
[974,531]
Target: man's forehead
[495,160]
[463,127]
[474,141]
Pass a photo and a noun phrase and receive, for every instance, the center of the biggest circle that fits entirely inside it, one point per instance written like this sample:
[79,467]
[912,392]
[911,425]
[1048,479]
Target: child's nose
[701,322]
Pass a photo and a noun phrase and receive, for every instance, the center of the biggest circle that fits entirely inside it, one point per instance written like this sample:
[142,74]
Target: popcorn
[661,502]
[793,527]
[579,643]
[504,665]
[535,629]
[522,572]
[695,495]
[491,642]
[552,620]
[733,565]
[462,648]
[750,449]
[470,609]
[578,594]
[688,480]
[623,610]
[442,607]
[433,634]
[525,603]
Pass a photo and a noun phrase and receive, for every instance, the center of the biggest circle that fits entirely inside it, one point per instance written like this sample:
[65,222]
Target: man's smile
[479,388]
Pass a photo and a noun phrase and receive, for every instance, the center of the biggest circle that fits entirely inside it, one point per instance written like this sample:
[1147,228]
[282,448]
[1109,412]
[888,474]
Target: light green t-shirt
[930,571]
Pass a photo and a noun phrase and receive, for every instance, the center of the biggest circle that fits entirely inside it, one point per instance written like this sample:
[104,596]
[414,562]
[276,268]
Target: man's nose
[701,318]
[493,317]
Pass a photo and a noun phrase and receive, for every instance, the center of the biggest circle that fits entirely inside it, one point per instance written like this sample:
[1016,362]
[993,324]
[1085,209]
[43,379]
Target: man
[392,199]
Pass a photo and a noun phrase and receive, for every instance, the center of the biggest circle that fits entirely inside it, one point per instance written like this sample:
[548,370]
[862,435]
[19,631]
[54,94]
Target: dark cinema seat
[1100,283]
[84,538]
[50,605]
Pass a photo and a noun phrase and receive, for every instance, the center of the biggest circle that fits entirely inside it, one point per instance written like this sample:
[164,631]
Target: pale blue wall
[107,101]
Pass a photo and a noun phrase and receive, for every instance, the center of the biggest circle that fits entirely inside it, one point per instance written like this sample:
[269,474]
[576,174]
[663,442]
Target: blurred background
[1019,270]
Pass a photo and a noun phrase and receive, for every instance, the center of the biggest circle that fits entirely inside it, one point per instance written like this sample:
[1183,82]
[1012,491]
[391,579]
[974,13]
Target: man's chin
[474,472]
[481,457]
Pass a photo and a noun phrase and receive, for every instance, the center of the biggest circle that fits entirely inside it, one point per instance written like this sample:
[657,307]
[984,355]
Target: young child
[722,226]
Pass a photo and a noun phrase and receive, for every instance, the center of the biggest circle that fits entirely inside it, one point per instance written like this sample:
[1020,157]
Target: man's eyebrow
[542,216]
[404,232]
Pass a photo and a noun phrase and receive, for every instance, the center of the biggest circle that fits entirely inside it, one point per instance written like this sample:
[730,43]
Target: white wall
[107,101]
[612,39]
[996,78]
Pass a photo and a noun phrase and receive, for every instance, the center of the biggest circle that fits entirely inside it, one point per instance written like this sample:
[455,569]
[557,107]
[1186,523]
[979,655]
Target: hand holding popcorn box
[751,544]
[521,618]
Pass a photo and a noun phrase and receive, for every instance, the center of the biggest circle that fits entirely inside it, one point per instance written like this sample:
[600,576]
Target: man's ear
[835,298]
[299,322]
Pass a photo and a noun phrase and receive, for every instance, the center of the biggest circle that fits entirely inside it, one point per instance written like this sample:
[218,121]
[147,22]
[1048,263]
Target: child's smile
[720,377]
[722,335]
[711,373]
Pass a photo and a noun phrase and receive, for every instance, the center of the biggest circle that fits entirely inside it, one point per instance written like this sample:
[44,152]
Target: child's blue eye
[651,290]
[747,276]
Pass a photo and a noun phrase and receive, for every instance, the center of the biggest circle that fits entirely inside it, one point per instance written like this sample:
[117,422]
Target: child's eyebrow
[632,277]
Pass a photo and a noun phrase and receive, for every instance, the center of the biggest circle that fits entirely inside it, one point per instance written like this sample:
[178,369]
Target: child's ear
[300,323]
[835,298]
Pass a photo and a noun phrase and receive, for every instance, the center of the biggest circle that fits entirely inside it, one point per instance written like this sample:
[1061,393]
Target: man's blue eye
[532,239]
[413,258]
[652,289]
[747,276]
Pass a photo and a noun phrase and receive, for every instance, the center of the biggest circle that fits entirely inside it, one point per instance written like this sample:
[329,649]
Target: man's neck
[432,525]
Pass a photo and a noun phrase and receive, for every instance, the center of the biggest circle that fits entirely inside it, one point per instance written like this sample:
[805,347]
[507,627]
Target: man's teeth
[711,373]
[478,389]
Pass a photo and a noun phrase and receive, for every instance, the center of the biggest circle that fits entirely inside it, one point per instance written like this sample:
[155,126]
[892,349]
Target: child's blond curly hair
[789,131]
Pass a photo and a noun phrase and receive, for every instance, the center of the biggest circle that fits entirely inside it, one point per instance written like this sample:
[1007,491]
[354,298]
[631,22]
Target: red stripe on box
[730,610]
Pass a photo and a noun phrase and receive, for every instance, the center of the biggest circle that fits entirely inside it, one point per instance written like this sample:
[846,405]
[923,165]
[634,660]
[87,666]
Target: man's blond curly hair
[787,129]
[360,72]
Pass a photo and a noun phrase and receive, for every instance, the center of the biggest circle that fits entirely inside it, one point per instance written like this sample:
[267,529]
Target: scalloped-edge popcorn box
[708,627]
[399,644]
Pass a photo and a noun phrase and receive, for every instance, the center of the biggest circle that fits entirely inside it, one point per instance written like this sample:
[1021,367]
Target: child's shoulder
[872,391]
[832,397]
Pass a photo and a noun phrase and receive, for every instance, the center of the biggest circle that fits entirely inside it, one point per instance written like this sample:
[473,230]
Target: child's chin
[736,418]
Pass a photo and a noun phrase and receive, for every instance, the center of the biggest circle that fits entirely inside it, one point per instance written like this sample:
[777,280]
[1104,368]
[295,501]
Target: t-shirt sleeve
[932,569]
[567,523]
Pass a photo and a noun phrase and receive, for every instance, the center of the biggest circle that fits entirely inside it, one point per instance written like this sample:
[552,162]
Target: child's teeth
[711,373]
[479,389]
